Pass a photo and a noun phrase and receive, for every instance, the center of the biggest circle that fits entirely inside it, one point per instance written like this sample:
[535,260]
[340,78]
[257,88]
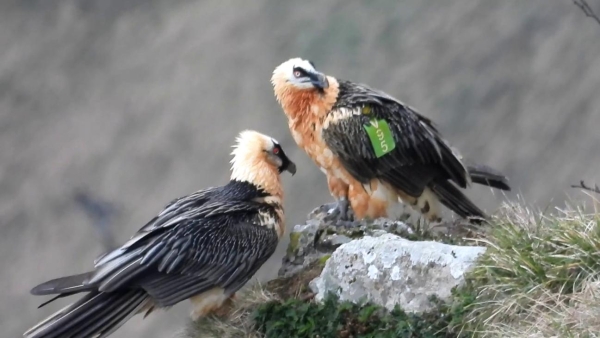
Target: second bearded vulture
[203,247]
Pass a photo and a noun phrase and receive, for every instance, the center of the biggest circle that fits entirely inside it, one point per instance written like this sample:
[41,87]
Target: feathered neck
[300,103]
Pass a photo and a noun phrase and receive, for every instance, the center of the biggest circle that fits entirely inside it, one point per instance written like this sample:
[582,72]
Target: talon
[339,211]
[331,208]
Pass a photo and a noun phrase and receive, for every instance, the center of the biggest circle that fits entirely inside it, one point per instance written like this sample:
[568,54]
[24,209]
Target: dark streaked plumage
[421,159]
[484,175]
[337,123]
[420,154]
[208,243]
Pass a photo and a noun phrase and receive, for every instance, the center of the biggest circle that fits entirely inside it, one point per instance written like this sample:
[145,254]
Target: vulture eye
[299,72]
[275,151]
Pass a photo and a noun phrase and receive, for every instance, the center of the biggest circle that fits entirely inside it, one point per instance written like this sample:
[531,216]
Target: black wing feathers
[238,250]
[484,175]
[96,314]
[454,199]
[70,284]
[420,156]
[206,240]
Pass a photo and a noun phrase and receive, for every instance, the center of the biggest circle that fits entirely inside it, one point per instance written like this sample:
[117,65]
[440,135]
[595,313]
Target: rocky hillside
[139,101]
[524,274]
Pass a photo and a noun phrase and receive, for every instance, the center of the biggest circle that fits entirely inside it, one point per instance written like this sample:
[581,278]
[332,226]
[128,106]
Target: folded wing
[419,153]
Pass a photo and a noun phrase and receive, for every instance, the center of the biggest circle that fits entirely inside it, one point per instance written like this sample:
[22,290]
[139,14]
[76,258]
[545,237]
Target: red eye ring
[275,151]
[297,73]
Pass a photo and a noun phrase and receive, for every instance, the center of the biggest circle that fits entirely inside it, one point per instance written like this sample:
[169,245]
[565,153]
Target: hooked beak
[291,167]
[319,80]
[288,165]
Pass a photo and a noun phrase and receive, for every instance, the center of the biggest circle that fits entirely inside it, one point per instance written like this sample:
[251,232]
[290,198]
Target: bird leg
[339,213]
[209,302]
[226,309]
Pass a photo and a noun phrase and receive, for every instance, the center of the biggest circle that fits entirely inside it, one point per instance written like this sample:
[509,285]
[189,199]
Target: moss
[330,231]
[294,242]
[323,260]
[331,318]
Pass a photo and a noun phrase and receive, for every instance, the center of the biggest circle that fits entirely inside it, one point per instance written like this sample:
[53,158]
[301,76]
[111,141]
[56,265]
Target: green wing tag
[381,137]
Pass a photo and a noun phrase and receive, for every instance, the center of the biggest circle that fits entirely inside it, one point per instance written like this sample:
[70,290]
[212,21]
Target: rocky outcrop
[317,238]
[381,261]
[389,270]
[375,264]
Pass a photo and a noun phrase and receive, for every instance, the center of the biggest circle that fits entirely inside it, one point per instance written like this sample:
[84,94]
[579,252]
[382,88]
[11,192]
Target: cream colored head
[300,74]
[259,159]
[298,85]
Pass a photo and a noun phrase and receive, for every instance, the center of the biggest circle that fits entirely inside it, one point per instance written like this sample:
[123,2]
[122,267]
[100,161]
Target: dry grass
[556,315]
[539,277]
[239,321]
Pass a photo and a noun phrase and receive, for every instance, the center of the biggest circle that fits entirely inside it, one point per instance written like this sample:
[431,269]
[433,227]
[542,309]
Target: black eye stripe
[300,70]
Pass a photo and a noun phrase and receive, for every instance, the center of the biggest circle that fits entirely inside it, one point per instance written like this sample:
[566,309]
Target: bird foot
[339,213]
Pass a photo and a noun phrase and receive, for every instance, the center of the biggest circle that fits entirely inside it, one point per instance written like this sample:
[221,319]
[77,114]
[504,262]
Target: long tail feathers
[455,200]
[69,284]
[484,175]
[97,314]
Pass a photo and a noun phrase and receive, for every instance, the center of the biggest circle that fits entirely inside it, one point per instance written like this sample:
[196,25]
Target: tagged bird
[375,151]
[203,247]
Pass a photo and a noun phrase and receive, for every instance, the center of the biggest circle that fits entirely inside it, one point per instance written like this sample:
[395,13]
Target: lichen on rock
[389,270]
[317,238]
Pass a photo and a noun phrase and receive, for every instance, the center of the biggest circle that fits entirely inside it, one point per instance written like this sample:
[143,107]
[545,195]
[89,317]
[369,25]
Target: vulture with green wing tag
[376,151]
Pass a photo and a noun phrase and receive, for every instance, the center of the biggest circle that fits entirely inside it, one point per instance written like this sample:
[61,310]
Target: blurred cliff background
[138,102]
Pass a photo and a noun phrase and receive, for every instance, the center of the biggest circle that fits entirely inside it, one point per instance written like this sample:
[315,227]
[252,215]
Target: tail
[484,175]
[97,314]
[450,196]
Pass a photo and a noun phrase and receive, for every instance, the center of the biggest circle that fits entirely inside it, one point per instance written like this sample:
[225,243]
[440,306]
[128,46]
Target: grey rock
[318,238]
[377,233]
[336,240]
[301,251]
[392,226]
[389,270]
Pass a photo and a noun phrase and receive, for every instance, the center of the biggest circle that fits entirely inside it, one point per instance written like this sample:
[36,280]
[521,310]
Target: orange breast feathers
[338,179]
[306,111]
